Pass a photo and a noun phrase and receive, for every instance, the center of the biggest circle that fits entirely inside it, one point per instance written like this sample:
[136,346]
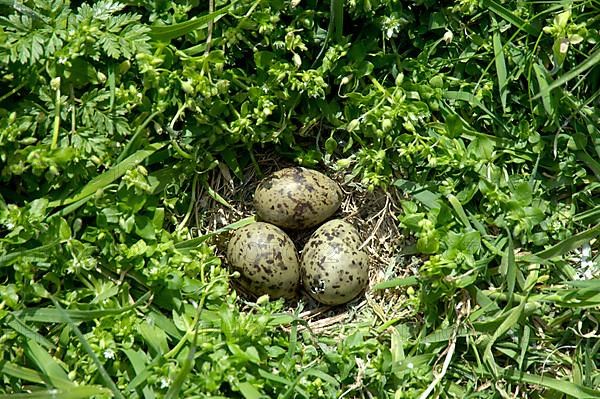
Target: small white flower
[62,60]
[109,354]
[586,250]
[564,46]
[164,383]
[297,60]
[448,36]
[410,366]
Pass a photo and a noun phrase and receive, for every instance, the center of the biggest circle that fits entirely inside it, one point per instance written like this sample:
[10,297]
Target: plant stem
[191,205]
[56,127]
[211,9]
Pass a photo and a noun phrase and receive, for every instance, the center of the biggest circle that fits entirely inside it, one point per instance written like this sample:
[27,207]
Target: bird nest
[226,200]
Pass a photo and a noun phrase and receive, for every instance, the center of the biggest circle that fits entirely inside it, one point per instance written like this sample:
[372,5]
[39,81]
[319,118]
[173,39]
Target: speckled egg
[297,198]
[266,259]
[334,270]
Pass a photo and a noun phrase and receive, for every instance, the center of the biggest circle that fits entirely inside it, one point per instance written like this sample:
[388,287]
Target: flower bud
[187,87]
[386,125]
[353,125]
[399,79]
[55,83]
[262,299]
[448,36]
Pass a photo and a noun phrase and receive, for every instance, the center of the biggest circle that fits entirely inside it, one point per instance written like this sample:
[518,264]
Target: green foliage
[485,114]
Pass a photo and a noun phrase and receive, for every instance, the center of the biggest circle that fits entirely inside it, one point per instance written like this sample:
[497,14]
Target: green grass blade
[20,372]
[414,361]
[323,376]
[569,244]
[136,140]
[70,208]
[508,268]
[187,245]
[524,345]
[500,68]
[507,15]
[110,175]
[592,285]
[396,282]
[162,178]
[285,382]
[565,387]
[428,198]
[184,372]
[51,370]
[396,345]
[574,298]
[167,33]
[445,334]
[88,349]
[276,378]
[215,195]
[474,101]
[589,161]
[155,337]
[248,391]
[138,360]
[542,79]
[75,392]
[23,329]
[292,346]
[54,315]
[142,376]
[164,323]
[593,214]
[591,61]
[337,14]
[7,259]
[232,163]
[282,319]
[460,211]
[507,324]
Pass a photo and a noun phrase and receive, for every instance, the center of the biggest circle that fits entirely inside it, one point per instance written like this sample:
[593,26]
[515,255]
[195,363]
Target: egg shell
[334,270]
[297,198]
[266,258]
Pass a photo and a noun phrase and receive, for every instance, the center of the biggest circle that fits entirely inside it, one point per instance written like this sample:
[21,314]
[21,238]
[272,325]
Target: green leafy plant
[115,115]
